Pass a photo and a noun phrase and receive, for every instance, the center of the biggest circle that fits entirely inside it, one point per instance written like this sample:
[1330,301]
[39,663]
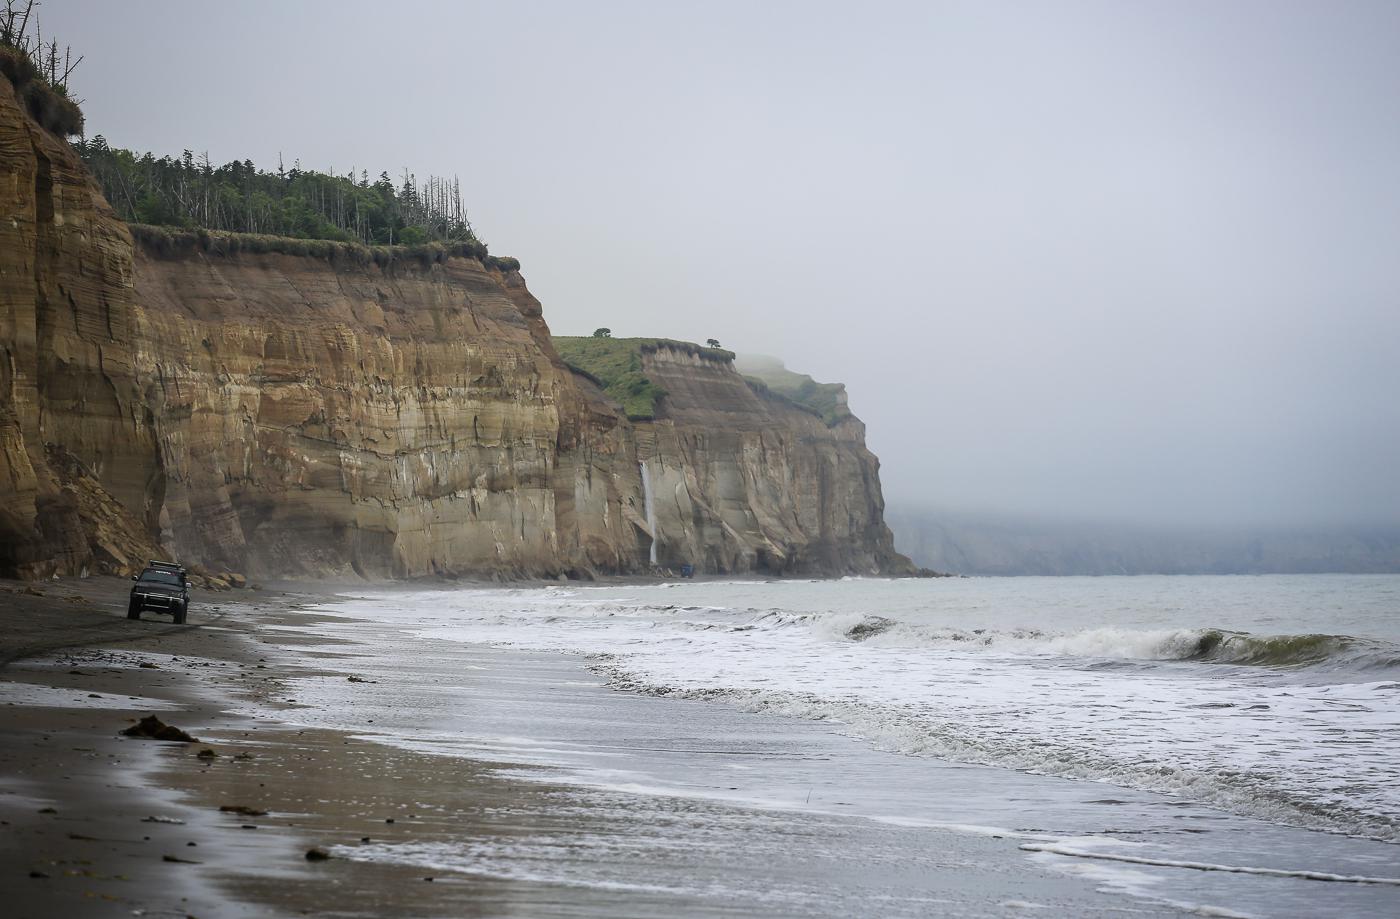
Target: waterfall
[650,505]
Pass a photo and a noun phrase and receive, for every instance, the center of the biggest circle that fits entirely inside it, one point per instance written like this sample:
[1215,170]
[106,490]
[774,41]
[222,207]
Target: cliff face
[311,416]
[743,480]
[65,278]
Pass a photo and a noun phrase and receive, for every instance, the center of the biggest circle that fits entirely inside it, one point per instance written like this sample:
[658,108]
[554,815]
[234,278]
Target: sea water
[1228,744]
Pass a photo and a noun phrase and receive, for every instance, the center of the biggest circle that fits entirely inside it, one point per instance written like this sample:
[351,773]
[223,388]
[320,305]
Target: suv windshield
[160,577]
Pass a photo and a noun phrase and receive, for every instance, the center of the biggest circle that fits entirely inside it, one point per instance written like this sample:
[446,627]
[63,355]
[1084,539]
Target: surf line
[1208,866]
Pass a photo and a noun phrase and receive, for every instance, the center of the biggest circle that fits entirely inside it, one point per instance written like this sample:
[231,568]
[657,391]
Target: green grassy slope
[826,399]
[616,365]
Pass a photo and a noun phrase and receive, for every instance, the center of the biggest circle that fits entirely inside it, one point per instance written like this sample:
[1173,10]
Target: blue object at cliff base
[687,571]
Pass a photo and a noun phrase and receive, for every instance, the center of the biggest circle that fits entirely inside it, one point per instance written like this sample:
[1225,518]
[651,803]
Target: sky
[1122,261]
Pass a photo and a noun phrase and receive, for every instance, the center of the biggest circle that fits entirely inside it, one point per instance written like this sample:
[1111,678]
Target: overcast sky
[1127,260]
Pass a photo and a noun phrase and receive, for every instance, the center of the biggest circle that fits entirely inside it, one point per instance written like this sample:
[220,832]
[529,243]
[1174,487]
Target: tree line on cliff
[189,191]
[193,196]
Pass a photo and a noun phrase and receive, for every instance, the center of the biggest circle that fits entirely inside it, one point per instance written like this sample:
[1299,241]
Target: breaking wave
[1216,646]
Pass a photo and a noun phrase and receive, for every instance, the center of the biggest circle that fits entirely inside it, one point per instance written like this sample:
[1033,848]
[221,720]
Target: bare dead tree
[15,20]
[14,24]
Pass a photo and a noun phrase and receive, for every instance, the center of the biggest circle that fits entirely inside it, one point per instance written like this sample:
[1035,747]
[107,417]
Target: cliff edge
[331,414]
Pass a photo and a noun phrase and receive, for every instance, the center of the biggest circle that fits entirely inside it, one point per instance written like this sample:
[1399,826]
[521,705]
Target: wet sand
[100,824]
[97,824]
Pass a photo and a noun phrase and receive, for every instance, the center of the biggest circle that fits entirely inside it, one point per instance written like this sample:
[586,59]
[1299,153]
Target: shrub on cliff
[36,71]
[176,242]
[46,100]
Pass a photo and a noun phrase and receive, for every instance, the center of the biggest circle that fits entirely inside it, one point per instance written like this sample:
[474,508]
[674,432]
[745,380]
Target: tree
[190,191]
[602,333]
[712,342]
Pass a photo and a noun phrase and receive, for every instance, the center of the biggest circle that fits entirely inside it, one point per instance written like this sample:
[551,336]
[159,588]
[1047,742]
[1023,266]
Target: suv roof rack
[166,566]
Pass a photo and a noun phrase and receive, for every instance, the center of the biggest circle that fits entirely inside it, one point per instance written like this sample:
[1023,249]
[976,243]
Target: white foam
[969,829]
[1303,874]
[1324,756]
[516,861]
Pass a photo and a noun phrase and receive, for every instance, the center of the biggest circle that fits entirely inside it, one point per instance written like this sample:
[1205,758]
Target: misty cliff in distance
[737,470]
[987,544]
[331,414]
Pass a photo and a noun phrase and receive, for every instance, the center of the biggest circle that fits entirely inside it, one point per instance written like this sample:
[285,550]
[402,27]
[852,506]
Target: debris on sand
[358,679]
[317,854]
[147,665]
[243,809]
[179,861]
[170,820]
[155,729]
[206,753]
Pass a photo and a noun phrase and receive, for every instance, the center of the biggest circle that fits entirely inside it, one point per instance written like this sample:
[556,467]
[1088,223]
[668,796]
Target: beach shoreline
[99,824]
[92,828]
[454,777]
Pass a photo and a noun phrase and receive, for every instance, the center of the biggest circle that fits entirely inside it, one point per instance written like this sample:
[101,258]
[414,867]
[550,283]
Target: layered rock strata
[314,416]
[745,480]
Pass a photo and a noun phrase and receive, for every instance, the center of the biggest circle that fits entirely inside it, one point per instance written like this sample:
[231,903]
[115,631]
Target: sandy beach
[101,824]
[98,824]
[446,773]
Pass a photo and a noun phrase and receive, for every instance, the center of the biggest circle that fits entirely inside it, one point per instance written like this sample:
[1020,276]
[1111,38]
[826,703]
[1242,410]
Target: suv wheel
[180,612]
[133,609]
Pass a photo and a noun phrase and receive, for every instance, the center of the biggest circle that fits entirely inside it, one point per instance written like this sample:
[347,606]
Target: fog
[1130,261]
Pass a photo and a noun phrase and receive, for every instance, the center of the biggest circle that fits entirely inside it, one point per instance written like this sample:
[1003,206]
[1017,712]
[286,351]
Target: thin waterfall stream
[650,506]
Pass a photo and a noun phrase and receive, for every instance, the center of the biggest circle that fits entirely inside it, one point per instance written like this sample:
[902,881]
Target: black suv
[162,586]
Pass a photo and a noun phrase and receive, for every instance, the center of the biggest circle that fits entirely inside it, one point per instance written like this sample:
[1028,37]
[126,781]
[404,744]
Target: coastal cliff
[744,479]
[246,409]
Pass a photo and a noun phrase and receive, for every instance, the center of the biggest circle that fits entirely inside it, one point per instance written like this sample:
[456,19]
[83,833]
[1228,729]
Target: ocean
[1209,745]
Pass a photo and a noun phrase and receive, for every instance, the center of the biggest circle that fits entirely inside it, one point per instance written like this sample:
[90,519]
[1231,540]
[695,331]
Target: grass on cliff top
[615,364]
[175,242]
[827,400]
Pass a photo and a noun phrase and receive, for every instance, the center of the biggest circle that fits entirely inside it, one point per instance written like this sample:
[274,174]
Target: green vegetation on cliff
[769,374]
[190,193]
[37,70]
[615,364]
[174,242]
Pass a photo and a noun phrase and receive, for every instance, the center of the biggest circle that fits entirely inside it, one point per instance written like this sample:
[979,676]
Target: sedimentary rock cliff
[334,414]
[746,480]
